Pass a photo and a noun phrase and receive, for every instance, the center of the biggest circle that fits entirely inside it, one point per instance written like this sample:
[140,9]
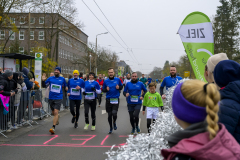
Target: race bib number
[56,88]
[90,95]
[75,92]
[134,98]
[114,100]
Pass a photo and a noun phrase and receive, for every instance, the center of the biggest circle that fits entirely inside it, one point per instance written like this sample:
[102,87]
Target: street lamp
[90,62]
[96,50]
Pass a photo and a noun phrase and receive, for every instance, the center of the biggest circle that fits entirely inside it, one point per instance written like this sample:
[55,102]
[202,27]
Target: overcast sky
[148,27]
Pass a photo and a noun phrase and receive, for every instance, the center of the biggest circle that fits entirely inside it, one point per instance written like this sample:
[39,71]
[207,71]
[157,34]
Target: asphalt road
[70,143]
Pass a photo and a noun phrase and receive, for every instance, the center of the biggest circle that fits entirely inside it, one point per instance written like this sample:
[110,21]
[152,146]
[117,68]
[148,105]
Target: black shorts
[55,104]
[110,107]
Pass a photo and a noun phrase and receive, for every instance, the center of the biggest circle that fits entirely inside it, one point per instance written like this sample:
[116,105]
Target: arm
[2,86]
[125,90]
[120,85]
[144,90]
[162,87]
[145,102]
[68,86]
[98,89]
[104,88]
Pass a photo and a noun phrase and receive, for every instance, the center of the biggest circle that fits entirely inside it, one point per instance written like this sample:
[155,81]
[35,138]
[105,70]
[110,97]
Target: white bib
[90,95]
[75,92]
[56,88]
[114,100]
[134,98]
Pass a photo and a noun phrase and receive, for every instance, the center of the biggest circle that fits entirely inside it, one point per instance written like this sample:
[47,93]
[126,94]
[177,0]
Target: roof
[17,56]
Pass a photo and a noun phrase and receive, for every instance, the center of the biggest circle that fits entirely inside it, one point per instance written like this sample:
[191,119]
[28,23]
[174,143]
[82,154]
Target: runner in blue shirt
[75,86]
[112,85]
[55,84]
[170,81]
[92,88]
[133,92]
[149,80]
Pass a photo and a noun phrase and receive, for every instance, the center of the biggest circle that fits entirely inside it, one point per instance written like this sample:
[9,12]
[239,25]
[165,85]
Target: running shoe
[52,130]
[76,125]
[138,129]
[86,126]
[93,128]
[115,126]
[111,130]
[73,119]
[133,131]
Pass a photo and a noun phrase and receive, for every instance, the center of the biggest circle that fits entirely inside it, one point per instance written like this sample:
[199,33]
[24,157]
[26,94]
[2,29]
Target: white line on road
[139,123]
[104,111]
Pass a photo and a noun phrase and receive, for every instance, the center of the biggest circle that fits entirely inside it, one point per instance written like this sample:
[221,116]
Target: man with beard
[170,81]
[126,80]
[133,91]
[56,95]
[112,86]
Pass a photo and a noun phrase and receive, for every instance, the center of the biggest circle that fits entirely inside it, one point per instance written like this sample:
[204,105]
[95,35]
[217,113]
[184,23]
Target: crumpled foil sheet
[148,146]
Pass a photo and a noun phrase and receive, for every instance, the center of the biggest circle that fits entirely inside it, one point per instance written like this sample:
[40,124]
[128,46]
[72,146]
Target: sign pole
[38,68]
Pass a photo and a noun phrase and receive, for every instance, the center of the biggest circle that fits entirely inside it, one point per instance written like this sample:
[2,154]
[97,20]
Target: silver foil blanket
[148,146]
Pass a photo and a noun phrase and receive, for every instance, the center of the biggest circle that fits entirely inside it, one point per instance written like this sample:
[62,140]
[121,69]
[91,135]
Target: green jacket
[143,80]
[152,100]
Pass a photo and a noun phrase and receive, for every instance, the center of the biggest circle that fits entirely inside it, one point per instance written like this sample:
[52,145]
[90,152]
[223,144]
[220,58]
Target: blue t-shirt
[149,80]
[74,93]
[55,87]
[113,92]
[170,81]
[88,88]
[134,89]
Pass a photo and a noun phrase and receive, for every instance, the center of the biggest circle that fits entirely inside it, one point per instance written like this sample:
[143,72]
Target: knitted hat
[58,68]
[25,71]
[225,72]
[75,71]
[7,73]
[215,59]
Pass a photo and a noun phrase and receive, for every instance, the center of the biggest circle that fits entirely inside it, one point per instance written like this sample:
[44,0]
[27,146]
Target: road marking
[139,123]
[104,111]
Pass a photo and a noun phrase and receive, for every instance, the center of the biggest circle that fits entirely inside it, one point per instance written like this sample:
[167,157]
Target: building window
[41,35]
[12,20]
[21,50]
[63,54]
[22,20]
[2,34]
[41,20]
[31,35]
[21,35]
[12,35]
[32,20]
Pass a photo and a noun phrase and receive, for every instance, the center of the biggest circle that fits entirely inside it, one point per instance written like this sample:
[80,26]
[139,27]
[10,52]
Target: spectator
[195,108]
[44,78]
[1,71]
[51,74]
[81,75]
[27,81]
[227,77]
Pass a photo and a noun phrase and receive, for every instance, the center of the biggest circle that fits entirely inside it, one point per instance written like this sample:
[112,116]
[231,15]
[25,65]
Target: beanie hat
[75,71]
[214,60]
[25,71]
[7,73]
[225,72]
[58,68]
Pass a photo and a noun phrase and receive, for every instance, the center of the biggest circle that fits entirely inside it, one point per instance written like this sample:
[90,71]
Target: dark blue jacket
[229,113]
[28,83]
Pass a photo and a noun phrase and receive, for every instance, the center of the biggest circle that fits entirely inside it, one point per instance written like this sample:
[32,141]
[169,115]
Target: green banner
[197,36]
[120,72]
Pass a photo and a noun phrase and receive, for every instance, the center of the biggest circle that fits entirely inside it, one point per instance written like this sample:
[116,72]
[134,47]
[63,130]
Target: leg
[136,116]
[72,104]
[131,118]
[86,111]
[55,118]
[148,124]
[78,103]
[100,99]
[93,112]
[109,111]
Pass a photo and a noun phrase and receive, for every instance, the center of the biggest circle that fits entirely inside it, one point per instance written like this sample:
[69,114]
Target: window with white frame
[41,35]
[12,35]
[63,53]
[59,53]
[22,20]
[21,50]
[66,54]
[31,35]
[12,20]
[41,20]
[32,20]
[2,34]
[69,55]
[21,35]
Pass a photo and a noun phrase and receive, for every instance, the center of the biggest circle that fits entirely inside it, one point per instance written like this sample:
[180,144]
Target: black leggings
[72,105]
[134,117]
[90,104]
[149,124]
[99,99]
[112,110]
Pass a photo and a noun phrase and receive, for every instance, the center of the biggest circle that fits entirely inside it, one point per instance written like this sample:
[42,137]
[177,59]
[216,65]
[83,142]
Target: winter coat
[199,147]
[229,113]
[20,88]
[28,83]
[5,88]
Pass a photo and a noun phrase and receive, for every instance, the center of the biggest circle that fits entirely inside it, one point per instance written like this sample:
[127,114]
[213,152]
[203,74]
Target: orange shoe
[52,130]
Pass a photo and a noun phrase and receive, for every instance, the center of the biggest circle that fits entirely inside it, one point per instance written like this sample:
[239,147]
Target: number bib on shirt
[90,95]
[134,98]
[56,88]
[75,92]
[114,100]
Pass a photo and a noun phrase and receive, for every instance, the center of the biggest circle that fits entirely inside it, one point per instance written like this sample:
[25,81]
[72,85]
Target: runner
[169,81]
[100,82]
[75,86]
[133,92]
[149,80]
[126,80]
[112,86]
[92,88]
[144,80]
[56,95]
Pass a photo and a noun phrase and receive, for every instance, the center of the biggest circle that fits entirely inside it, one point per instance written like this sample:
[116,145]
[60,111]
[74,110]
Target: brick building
[50,33]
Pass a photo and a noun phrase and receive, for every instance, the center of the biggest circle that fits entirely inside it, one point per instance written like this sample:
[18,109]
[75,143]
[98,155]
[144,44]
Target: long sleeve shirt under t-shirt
[152,100]
[75,94]
[135,91]
[56,84]
[113,92]
[90,94]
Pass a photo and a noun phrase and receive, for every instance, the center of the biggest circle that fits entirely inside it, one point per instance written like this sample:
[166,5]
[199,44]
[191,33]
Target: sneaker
[86,126]
[52,130]
[111,130]
[138,129]
[9,130]
[58,120]
[76,125]
[133,131]
[93,128]
[115,126]
[15,127]
[73,119]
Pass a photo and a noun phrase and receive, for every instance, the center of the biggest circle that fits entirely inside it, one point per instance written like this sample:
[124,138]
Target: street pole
[96,55]
[29,45]
[90,62]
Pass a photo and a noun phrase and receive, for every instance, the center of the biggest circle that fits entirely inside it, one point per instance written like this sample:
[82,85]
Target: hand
[117,87]
[141,98]
[108,88]
[12,93]
[93,89]
[78,88]
[163,96]
[66,89]
[68,94]
[143,112]
[127,94]
[84,93]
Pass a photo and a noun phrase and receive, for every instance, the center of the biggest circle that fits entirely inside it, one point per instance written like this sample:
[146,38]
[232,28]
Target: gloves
[84,93]
[93,89]
[162,108]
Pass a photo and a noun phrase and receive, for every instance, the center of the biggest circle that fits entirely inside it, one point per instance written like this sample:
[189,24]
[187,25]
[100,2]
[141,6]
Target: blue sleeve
[126,88]
[97,86]
[120,83]
[68,86]
[47,81]
[104,85]
[163,83]
[64,83]
[28,83]
[180,78]
[144,88]
[82,85]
